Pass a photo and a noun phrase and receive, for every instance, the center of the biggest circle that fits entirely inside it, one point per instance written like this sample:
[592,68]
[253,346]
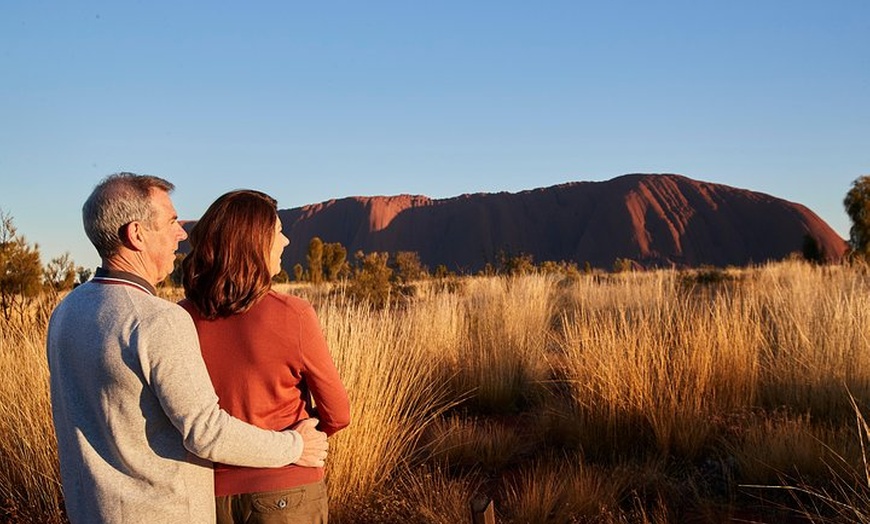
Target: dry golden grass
[29,475]
[658,357]
[780,446]
[559,490]
[502,357]
[429,495]
[816,324]
[396,389]
[636,397]
[471,444]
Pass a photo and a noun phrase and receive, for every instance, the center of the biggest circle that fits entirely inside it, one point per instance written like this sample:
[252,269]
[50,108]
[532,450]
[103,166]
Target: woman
[265,353]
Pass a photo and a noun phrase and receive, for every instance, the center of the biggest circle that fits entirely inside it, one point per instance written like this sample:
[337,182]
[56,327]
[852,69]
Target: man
[136,416]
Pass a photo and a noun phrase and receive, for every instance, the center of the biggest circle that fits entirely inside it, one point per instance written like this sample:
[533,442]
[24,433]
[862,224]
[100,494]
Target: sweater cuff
[296,444]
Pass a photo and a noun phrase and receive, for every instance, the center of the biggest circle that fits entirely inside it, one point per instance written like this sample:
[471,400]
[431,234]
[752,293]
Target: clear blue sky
[316,100]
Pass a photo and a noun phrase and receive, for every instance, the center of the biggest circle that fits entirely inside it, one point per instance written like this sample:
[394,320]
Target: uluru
[655,220]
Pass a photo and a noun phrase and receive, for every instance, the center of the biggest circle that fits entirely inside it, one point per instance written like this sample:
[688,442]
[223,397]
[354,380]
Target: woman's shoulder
[188,306]
[295,304]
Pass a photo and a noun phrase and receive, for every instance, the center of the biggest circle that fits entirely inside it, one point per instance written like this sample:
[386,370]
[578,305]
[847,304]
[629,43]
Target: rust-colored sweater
[261,362]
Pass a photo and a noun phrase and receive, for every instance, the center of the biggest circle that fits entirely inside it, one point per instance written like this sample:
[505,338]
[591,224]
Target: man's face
[162,237]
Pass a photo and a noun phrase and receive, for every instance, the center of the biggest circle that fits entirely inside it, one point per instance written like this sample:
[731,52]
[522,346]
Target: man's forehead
[162,201]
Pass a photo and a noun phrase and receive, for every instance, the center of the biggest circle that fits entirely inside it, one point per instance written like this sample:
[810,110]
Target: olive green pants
[306,504]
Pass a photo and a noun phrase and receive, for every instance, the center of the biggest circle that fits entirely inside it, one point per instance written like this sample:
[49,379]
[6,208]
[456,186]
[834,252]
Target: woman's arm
[333,407]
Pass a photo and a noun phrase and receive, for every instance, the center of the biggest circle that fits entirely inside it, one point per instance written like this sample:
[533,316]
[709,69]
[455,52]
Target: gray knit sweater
[136,417]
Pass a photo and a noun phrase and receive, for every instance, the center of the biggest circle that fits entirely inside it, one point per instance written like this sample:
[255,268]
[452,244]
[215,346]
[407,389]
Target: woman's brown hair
[227,270]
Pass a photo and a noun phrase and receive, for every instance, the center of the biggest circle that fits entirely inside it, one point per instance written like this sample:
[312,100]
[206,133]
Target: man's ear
[133,237]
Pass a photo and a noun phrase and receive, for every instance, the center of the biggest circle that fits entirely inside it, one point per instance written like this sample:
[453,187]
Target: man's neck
[129,263]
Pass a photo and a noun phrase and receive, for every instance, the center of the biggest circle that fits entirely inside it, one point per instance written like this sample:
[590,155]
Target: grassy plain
[647,397]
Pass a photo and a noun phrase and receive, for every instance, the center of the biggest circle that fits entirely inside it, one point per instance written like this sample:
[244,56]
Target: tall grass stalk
[432,496]
[816,323]
[467,444]
[658,360]
[504,358]
[396,392]
[29,475]
[558,490]
[845,497]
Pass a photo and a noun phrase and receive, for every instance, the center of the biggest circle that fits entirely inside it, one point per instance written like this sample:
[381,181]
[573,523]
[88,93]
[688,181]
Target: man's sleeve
[173,367]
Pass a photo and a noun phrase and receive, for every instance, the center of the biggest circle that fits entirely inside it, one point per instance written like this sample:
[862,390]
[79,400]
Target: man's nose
[182,234]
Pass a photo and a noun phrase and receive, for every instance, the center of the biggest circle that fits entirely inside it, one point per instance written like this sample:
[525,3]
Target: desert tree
[562,267]
[315,260]
[857,204]
[282,277]
[334,260]
[371,279]
[515,263]
[408,268]
[298,272]
[84,274]
[60,273]
[20,269]
[441,271]
[623,265]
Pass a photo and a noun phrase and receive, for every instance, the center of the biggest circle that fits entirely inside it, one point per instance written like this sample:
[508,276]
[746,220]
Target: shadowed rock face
[655,220]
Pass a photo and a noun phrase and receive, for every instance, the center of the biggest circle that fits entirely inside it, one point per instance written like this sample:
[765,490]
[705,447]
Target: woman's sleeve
[333,407]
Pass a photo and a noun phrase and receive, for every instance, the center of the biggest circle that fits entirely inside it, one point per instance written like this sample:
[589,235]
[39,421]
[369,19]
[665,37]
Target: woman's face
[279,242]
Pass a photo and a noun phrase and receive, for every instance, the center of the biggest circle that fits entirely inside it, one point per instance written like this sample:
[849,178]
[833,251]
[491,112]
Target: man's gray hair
[116,201]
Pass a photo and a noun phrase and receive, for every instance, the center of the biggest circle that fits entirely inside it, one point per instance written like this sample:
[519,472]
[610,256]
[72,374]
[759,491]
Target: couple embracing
[196,412]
